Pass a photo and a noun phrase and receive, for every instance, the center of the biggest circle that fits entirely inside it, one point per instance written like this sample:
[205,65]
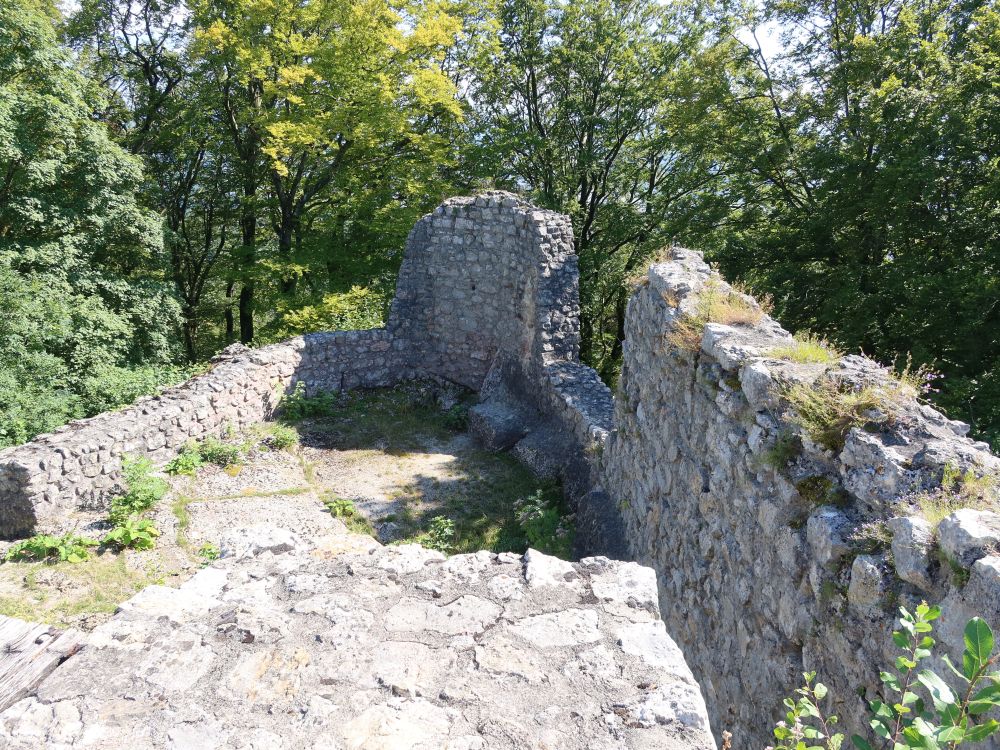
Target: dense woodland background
[175,176]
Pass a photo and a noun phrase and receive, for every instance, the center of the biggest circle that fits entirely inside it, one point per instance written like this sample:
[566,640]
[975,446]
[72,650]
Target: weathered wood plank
[28,653]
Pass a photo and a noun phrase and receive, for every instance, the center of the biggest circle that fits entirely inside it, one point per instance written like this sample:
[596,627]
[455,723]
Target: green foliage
[209,552]
[296,406]
[132,533]
[142,491]
[958,490]
[66,548]
[546,527]
[940,718]
[457,418]
[786,449]
[86,319]
[345,510]
[187,462]
[805,725]
[356,309]
[215,451]
[440,535]
[280,437]
[712,304]
[916,707]
[828,196]
[820,490]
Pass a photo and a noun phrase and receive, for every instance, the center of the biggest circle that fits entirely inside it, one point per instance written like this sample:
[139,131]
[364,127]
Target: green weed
[142,492]
[66,548]
[132,533]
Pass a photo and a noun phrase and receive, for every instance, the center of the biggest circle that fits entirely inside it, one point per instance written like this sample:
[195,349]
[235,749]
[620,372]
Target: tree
[858,181]
[577,102]
[319,97]
[84,301]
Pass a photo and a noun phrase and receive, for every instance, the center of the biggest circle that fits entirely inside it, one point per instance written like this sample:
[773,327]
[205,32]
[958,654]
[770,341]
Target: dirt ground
[395,456]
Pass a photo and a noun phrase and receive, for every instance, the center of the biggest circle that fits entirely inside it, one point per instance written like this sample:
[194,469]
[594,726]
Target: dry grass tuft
[807,349]
[713,304]
[827,411]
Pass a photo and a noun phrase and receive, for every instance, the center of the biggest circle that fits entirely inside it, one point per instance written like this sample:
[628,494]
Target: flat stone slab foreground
[345,644]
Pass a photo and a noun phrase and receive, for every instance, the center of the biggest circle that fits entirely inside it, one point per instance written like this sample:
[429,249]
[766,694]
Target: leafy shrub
[217,452]
[187,462]
[900,717]
[440,535]
[209,552]
[356,309]
[345,510]
[67,548]
[786,448]
[456,418]
[545,527]
[142,493]
[132,533]
[279,437]
[296,406]
[806,349]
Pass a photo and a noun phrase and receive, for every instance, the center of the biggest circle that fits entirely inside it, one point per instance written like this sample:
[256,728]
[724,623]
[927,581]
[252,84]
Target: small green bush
[440,535]
[786,449]
[217,452]
[280,437]
[187,462]
[209,552]
[142,493]
[916,709]
[66,548]
[545,527]
[296,406]
[132,533]
[345,510]
[456,418]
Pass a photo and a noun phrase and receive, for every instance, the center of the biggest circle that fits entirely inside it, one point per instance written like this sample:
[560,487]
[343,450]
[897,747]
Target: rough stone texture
[912,540]
[757,583]
[79,465]
[284,646]
[967,535]
[487,284]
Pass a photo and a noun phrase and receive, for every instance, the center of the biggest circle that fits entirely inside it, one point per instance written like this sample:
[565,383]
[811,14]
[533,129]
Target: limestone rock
[912,538]
[825,530]
[967,535]
[496,425]
[867,584]
[385,648]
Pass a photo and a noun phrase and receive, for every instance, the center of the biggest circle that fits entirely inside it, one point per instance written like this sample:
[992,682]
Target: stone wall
[762,572]
[487,284]
[761,576]
[77,466]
